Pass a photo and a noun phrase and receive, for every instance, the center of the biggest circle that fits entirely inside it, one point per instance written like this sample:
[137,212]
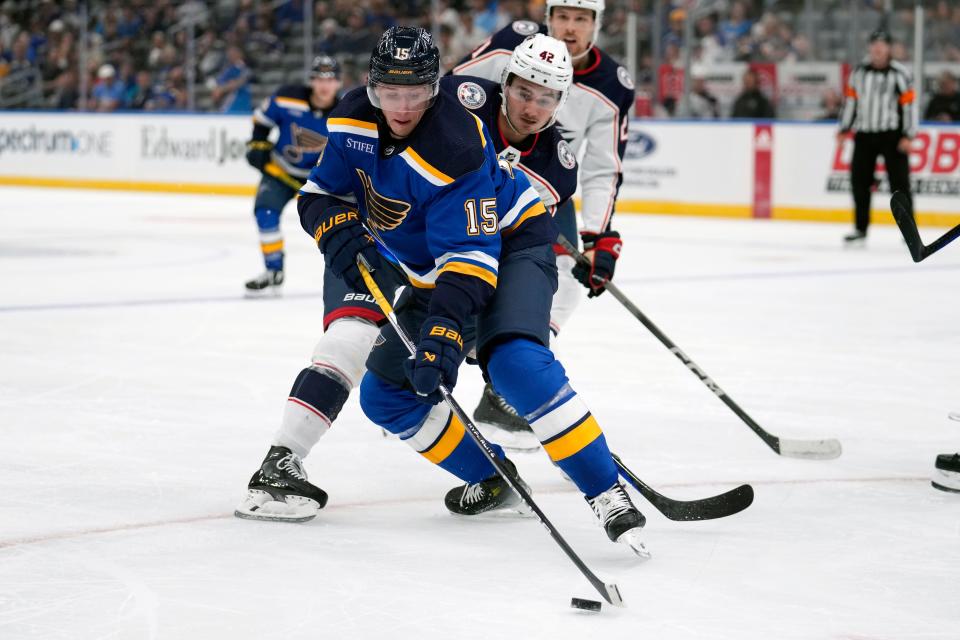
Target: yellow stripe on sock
[574,440]
[272,247]
[451,437]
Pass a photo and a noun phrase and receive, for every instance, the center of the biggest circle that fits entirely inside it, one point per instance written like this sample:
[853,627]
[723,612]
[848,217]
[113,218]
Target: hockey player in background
[475,242]
[594,122]
[299,112]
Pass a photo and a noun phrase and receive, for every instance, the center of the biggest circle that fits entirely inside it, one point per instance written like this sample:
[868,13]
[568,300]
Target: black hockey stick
[719,506]
[811,449]
[609,591]
[902,209]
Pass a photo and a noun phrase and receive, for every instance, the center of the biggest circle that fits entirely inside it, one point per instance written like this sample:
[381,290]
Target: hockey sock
[315,400]
[320,390]
[531,379]
[433,432]
[271,238]
[568,295]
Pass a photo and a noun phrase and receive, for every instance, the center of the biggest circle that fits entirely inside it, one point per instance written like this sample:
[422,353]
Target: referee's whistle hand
[904,145]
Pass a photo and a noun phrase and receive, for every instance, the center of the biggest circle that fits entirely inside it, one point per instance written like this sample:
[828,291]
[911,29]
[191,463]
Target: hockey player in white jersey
[594,120]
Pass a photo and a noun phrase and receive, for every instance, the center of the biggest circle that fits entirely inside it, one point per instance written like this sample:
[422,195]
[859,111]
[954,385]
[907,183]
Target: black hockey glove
[437,359]
[342,238]
[606,249]
[258,153]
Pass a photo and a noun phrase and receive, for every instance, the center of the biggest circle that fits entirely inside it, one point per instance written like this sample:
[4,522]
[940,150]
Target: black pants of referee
[866,148]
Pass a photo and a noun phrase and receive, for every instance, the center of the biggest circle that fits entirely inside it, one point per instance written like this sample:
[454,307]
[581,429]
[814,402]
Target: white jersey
[594,119]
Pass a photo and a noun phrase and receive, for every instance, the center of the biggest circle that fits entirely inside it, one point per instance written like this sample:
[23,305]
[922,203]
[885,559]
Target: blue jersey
[438,199]
[303,130]
[238,101]
[545,158]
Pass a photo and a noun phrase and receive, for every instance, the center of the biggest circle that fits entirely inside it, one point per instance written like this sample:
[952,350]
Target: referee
[879,106]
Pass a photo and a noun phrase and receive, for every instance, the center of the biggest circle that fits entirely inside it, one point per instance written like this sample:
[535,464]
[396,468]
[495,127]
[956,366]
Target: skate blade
[260,505]
[509,440]
[259,294]
[633,540]
[946,481]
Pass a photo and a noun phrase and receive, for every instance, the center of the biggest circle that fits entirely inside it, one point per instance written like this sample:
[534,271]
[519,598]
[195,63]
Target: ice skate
[946,475]
[855,239]
[622,521]
[267,284]
[501,422]
[487,495]
[279,491]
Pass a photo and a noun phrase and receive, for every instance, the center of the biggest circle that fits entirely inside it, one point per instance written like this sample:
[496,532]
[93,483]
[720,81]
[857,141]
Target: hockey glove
[258,153]
[342,238]
[437,359]
[606,249]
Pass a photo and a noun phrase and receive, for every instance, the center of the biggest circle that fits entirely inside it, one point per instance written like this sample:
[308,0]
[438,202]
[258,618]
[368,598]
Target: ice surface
[138,392]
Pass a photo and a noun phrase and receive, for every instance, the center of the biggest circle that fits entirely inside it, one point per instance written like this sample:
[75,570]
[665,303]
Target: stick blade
[902,209]
[611,593]
[826,449]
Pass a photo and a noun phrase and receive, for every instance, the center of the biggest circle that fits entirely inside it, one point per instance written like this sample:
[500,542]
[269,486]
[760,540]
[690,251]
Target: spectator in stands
[703,104]
[109,90]
[484,15]
[711,49]
[232,90]
[467,34]
[262,45]
[944,106]
[735,27]
[674,34]
[751,103]
[65,95]
[830,104]
[210,54]
[172,94]
[129,24]
[141,93]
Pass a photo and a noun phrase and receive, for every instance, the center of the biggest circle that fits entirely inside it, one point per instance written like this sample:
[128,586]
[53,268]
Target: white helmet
[544,61]
[597,6]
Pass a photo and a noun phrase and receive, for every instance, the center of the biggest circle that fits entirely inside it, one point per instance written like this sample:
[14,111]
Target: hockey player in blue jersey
[474,241]
[524,139]
[299,113]
[594,122]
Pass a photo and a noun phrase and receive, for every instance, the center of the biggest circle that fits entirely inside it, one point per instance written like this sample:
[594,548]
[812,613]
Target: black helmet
[882,35]
[405,55]
[324,67]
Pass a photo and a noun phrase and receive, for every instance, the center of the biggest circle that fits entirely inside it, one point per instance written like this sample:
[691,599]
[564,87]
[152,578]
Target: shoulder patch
[526,27]
[624,77]
[565,154]
[471,95]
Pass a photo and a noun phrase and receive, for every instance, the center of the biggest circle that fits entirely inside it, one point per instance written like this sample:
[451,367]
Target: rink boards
[782,170]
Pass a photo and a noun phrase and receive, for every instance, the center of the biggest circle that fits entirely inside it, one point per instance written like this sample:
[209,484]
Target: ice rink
[139,391]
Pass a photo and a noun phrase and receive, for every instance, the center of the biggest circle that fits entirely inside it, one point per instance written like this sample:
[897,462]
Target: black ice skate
[503,422]
[622,521]
[486,495]
[268,283]
[947,474]
[855,239]
[279,490]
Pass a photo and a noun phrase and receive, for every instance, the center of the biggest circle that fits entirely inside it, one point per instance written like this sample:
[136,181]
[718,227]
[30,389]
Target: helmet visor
[400,98]
[542,98]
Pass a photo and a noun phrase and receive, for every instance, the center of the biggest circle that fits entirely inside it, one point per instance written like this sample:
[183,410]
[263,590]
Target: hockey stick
[902,210]
[274,171]
[811,449]
[609,591]
[719,506]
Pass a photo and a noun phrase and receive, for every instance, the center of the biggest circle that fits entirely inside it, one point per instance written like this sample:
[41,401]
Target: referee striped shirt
[879,100]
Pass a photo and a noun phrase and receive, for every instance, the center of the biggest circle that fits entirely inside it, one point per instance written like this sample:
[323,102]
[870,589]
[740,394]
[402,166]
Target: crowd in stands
[226,54]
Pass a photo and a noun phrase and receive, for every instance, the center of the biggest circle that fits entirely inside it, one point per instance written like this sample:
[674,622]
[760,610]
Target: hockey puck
[585,605]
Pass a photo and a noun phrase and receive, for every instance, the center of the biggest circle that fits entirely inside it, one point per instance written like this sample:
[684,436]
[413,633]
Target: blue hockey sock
[433,432]
[530,378]
[271,238]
